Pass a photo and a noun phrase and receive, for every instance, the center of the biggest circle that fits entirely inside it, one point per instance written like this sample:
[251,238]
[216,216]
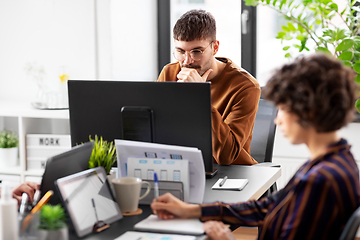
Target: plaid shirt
[315,204]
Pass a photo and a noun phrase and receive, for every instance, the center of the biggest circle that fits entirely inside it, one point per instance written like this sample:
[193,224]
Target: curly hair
[318,89]
[195,25]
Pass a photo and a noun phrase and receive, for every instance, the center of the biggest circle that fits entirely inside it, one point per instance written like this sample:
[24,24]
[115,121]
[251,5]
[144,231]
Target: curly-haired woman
[315,96]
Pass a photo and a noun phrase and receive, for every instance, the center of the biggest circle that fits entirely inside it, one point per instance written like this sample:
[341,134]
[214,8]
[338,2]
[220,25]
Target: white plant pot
[9,157]
[61,234]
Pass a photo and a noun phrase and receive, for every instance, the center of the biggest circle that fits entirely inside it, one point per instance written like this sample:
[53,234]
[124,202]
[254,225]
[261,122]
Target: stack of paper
[126,149]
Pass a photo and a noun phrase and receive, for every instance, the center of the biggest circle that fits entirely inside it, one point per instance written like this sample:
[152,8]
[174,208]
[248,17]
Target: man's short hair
[195,25]
[319,89]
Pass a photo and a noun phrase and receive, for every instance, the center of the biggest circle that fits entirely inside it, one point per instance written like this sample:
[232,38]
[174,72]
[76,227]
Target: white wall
[134,39]
[291,157]
[86,39]
[49,33]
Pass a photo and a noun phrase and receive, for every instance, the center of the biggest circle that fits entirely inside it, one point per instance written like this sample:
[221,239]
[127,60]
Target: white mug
[127,191]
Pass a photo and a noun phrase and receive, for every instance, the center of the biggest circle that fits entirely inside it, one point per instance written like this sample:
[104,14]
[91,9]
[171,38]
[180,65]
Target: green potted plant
[321,25]
[52,223]
[9,144]
[103,154]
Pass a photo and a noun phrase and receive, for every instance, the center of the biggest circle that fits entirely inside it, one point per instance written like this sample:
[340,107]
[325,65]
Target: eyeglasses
[195,54]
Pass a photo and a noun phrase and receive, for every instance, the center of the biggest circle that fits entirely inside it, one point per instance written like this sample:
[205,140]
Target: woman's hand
[216,230]
[168,206]
[27,187]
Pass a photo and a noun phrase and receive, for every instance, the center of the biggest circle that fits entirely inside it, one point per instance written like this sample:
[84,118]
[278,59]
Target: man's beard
[190,66]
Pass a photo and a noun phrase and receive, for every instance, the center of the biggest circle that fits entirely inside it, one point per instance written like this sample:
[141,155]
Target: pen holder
[30,225]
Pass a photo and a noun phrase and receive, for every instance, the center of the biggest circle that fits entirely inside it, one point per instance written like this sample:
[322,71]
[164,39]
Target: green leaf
[52,217]
[301,29]
[286,29]
[291,27]
[356,67]
[357,103]
[318,21]
[357,79]
[8,139]
[345,45]
[251,3]
[286,48]
[334,6]
[342,13]
[300,37]
[323,50]
[281,4]
[347,63]
[288,55]
[341,34]
[280,35]
[346,56]
[103,154]
[329,32]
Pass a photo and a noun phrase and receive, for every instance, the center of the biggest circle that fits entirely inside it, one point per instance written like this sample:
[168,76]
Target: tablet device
[88,200]
[73,161]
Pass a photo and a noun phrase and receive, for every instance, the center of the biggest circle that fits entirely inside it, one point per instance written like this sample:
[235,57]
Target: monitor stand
[212,174]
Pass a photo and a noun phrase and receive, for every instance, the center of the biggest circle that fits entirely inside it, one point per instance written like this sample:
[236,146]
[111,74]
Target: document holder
[173,187]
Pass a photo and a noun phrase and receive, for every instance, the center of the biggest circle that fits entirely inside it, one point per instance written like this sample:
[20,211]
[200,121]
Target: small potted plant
[9,143]
[103,155]
[53,223]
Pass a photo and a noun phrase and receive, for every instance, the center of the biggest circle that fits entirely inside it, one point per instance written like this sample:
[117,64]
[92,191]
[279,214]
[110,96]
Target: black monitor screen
[160,112]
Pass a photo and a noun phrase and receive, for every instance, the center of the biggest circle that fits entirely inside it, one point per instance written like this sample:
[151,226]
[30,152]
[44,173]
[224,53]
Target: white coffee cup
[127,191]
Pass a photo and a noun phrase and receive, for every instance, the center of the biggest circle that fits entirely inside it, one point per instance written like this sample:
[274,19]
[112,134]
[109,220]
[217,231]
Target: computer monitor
[163,112]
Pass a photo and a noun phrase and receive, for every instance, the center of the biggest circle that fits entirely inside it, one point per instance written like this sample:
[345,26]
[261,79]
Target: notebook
[183,226]
[131,235]
[231,184]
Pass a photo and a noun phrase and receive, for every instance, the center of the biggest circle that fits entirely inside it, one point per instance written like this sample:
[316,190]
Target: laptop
[73,161]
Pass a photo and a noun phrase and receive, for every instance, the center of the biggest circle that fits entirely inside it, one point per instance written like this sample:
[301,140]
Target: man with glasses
[234,92]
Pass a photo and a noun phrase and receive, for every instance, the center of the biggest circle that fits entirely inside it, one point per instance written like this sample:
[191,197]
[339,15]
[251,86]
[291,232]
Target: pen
[156,186]
[42,201]
[223,181]
[36,198]
[24,200]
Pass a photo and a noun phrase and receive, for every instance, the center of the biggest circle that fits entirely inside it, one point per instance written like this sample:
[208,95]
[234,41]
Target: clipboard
[231,184]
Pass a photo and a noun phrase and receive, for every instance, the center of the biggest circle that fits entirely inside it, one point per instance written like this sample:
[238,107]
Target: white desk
[260,180]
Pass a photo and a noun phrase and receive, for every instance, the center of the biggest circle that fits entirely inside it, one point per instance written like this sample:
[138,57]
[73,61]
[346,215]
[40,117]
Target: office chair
[262,142]
[351,226]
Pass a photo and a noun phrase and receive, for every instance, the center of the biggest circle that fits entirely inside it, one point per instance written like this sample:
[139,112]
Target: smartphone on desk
[137,123]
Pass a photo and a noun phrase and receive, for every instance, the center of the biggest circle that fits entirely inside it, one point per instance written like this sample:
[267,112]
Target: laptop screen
[62,165]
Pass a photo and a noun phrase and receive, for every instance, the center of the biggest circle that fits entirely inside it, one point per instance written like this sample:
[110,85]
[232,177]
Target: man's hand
[192,75]
[27,187]
[216,230]
[168,207]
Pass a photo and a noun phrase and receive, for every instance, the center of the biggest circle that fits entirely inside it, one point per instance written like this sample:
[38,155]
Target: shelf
[38,172]
[24,109]
[11,170]
[24,119]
